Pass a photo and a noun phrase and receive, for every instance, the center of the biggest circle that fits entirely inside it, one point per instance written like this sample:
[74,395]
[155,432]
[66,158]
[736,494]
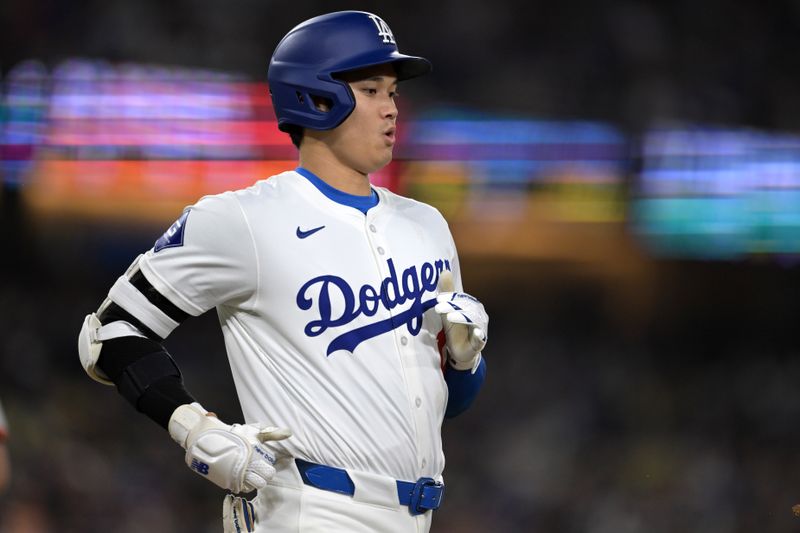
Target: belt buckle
[422,500]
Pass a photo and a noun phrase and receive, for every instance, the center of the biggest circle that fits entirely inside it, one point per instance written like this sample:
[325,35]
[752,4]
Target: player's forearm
[145,375]
[120,345]
[463,386]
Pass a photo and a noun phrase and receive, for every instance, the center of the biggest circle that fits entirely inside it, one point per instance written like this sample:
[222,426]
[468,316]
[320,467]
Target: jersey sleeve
[207,258]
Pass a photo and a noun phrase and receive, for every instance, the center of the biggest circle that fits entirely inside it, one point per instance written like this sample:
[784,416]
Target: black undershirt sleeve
[145,375]
[113,312]
[141,368]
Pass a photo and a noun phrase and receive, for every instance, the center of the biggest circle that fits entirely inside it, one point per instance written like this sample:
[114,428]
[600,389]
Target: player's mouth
[389,135]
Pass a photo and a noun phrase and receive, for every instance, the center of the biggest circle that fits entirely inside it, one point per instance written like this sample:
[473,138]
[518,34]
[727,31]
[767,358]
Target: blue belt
[423,495]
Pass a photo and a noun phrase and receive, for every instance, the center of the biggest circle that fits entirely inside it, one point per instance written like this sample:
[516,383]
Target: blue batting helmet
[307,59]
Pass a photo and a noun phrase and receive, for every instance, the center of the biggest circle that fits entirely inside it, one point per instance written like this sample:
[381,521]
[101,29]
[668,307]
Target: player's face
[365,140]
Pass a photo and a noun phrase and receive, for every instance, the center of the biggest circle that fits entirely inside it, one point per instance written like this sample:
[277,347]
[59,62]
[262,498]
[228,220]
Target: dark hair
[295,133]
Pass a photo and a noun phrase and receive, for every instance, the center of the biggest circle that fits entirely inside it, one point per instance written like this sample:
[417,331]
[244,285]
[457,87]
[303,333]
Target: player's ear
[321,103]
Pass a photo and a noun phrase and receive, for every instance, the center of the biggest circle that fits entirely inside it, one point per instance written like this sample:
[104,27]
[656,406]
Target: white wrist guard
[230,456]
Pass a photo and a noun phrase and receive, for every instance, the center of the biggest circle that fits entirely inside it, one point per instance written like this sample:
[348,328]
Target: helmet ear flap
[318,108]
[323,104]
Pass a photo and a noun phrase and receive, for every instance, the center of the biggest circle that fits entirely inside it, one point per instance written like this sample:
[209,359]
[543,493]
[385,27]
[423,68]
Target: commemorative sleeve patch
[173,237]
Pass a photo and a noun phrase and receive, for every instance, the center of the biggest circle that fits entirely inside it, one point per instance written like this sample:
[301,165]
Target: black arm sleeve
[145,375]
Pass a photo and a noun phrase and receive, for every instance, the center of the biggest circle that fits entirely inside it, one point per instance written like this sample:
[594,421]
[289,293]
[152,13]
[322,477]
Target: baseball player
[341,305]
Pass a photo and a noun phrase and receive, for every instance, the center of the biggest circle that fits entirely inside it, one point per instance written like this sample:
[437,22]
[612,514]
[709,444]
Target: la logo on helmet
[383,29]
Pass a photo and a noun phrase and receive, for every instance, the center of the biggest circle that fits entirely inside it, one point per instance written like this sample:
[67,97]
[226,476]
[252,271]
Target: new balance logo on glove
[199,467]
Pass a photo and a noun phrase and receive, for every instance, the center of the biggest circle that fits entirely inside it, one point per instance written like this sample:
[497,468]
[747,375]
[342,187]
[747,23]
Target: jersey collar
[362,203]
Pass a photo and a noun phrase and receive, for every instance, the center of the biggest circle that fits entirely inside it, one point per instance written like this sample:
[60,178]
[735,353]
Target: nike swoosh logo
[303,234]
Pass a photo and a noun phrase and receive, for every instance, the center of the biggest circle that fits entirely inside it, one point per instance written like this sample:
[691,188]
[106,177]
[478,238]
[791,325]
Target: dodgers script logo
[410,285]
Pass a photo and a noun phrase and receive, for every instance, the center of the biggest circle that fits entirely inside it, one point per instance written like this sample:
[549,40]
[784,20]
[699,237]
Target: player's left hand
[466,324]
[238,515]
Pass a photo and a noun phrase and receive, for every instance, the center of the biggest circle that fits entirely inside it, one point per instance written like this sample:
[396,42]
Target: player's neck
[334,172]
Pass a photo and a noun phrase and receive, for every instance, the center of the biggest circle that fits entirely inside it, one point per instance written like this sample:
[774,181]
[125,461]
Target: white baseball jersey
[327,315]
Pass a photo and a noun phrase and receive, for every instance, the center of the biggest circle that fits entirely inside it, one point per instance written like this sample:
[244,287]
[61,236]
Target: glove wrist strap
[471,365]
[185,418]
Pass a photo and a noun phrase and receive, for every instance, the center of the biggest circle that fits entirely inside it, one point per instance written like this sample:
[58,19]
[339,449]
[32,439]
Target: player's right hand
[230,456]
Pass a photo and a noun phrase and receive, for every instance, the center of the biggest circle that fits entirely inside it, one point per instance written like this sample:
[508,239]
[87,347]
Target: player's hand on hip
[231,456]
[465,322]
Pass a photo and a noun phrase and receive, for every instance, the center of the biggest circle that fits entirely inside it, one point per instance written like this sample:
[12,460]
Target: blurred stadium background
[623,183]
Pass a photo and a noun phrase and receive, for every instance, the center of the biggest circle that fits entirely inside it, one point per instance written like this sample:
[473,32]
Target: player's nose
[389,110]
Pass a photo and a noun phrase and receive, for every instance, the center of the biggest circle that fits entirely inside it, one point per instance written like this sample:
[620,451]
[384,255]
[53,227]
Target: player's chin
[381,160]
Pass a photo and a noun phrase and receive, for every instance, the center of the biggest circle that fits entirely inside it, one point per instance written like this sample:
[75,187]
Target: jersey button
[403,340]
[372,228]
[381,250]
[418,401]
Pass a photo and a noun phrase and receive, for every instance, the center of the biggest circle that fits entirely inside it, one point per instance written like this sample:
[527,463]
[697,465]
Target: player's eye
[370,91]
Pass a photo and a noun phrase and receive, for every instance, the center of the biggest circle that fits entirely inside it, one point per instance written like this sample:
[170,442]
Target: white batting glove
[230,456]
[466,324]
[238,515]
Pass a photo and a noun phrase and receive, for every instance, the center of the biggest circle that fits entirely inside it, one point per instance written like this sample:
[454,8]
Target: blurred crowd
[727,62]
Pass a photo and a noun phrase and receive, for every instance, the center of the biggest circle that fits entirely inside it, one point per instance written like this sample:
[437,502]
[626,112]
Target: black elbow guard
[145,375]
